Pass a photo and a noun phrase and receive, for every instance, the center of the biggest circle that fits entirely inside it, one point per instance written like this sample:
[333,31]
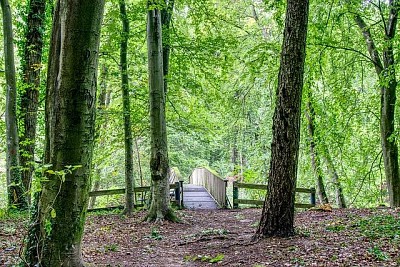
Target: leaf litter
[348,237]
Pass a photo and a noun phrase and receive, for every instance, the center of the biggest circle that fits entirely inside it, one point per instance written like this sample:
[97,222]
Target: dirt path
[338,238]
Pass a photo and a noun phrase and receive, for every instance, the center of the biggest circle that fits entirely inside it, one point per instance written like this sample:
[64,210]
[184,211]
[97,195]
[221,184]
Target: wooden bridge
[207,190]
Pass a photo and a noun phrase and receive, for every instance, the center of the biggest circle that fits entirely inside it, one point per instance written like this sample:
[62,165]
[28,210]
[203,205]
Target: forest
[111,107]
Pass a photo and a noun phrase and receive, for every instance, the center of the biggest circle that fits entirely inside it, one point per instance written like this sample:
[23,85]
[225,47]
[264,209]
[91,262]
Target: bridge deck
[197,197]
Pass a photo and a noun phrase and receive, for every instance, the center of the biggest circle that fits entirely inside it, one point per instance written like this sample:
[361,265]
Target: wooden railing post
[226,197]
[181,197]
[312,196]
[235,195]
[178,194]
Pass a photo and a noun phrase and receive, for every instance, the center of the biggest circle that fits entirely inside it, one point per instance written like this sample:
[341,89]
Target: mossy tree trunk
[129,182]
[159,165]
[16,194]
[277,217]
[32,66]
[55,235]
[386,71]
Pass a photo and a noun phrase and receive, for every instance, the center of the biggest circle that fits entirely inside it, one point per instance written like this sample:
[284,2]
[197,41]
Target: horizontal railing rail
[177,187]
[237,200]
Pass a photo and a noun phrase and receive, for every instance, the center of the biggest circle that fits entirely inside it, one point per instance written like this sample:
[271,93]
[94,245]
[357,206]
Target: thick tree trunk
[129,183]
[388,82]
[31,75]
[16,194]
[56,232]
[315,162]
[277,218]
[159,166]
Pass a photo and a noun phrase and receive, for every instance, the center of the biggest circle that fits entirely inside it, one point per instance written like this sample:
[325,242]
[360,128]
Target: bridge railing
[214,184]
[237,200]
[174,184]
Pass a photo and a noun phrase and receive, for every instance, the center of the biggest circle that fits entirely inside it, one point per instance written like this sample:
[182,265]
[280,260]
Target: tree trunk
[55,235]
[166,16]
[101,105]
[340,199]
[16,194]
[388,85]
[31,76]
[159,166]
[129,183]
[96,186]
[277,218]
[139,162]
[315,162]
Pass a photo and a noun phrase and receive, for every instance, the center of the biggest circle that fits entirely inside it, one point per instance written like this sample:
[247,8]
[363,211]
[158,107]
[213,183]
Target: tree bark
[55,234]
[388,84]
[166,16]
[315,162]
[16,194]
[129,182]
[277,218]
[31,76]
[159,165]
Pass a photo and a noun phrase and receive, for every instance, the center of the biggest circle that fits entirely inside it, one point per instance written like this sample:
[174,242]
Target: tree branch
[344,48]
[372,50]
[392,20]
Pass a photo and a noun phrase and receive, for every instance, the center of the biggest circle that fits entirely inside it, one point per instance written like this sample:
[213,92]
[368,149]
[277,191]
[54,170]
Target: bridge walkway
[196,197]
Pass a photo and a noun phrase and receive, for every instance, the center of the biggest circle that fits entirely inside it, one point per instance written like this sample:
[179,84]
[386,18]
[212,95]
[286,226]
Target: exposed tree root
[159,217]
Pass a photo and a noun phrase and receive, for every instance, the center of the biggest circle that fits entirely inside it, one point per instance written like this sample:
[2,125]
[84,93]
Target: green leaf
[217,258]
[53,213]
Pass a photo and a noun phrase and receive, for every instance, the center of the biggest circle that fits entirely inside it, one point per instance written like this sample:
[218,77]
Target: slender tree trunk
[340,199]
[16,194]
[101,105]
[159,166]
[30,97]
[388,84]
[277,218]
[127,111]
[55,235]
[315,162]
[139,162]
[96,186]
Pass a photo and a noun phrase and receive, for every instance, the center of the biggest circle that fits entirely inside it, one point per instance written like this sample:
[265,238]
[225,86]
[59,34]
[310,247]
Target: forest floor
[351,237]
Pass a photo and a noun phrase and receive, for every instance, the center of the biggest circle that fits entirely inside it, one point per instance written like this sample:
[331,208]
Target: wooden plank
[121,191]
[251,186]
[261,202]
[264,187]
